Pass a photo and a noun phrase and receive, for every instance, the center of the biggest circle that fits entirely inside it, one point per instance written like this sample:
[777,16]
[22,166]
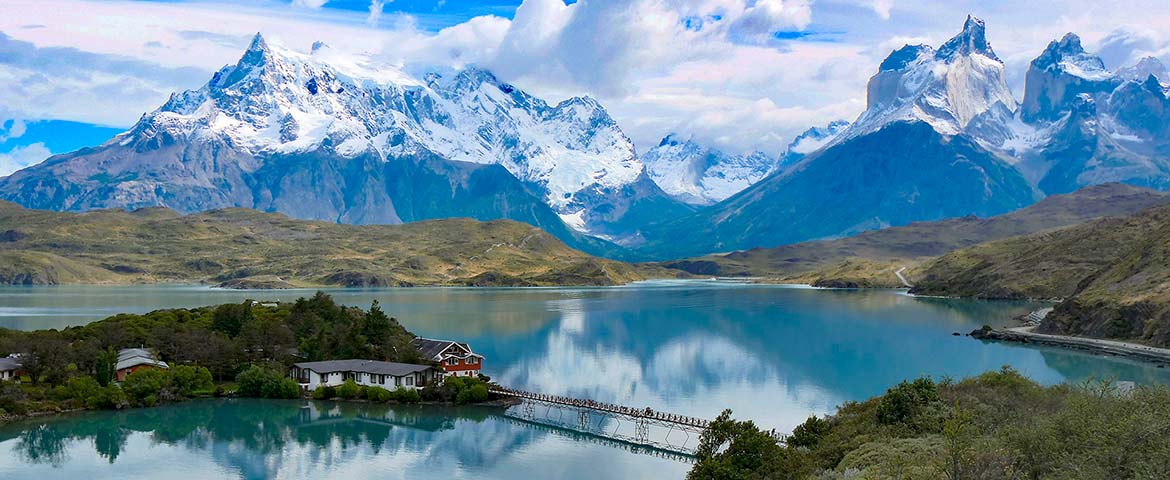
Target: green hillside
[248,249]
[1113,276]
[869,259]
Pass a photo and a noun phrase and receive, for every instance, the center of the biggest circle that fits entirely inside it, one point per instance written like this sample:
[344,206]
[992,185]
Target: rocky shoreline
[1145,353]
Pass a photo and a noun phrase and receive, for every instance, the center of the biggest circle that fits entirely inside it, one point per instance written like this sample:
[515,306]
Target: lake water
[771,353]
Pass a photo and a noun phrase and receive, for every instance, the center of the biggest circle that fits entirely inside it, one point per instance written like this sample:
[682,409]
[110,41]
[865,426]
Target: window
[397,381]
[452,361]
[381,379]
[409,381]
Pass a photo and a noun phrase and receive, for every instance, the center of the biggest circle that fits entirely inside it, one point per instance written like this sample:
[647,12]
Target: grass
[250,249]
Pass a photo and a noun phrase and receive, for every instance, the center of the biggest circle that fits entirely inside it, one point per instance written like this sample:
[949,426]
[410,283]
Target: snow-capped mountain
[1081,124]
[276,103]
[946,88]
[909,157]
[700,175]
[810,141]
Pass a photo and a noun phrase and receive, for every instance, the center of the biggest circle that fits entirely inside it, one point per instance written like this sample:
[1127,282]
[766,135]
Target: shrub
[324,392]
[257,381]
[809,433]
[378,394]
[110,396]
[349,390]
[145,383]
[406,395]
[901,404]
[188,379]
[281,388]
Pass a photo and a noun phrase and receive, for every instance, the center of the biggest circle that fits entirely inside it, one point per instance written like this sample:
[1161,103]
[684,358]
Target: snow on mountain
[699,175]
[947,88]
[810,141]
[1143,69]
[276,101]
[1062,72]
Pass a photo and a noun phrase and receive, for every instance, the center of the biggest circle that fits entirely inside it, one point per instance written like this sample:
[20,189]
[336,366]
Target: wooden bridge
[679,433]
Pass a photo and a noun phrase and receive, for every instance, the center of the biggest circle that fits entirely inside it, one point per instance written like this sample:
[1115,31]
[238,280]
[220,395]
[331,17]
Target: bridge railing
[647,412]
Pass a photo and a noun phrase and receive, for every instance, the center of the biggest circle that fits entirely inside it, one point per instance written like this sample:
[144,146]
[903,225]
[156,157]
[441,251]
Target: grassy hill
[869,259]
[1112,274]
[246,249]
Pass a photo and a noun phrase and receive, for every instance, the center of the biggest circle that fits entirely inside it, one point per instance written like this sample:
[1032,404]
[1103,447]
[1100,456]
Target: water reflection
[770,353]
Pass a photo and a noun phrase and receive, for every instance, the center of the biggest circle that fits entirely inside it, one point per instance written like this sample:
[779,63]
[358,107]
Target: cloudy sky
[738,74]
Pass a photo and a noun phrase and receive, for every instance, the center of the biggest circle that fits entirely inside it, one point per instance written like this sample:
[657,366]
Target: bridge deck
[638,413]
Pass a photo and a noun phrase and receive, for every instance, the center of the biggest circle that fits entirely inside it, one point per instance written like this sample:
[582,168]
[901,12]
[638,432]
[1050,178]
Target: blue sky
[737,74]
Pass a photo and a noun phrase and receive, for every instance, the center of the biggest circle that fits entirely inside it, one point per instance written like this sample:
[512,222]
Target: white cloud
[21,157]
[376,7]
[708,68]
[313,4]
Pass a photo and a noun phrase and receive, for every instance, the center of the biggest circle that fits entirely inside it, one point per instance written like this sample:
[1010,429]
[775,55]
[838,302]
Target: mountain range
[317,136]
[323,136]
[943,137]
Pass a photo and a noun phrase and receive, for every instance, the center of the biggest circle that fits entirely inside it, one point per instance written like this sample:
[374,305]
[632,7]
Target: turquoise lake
[774,354]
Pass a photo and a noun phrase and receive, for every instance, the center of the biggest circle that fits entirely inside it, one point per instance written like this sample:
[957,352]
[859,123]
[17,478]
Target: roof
[9,363]
[431,348]
[127,353]
[364,366]
[139,360]
[133,357]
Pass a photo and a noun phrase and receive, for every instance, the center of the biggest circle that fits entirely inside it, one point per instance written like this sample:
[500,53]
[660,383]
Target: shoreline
[500,402]
[1026,335]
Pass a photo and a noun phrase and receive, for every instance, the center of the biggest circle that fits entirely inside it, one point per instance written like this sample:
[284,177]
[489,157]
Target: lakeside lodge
[452,359]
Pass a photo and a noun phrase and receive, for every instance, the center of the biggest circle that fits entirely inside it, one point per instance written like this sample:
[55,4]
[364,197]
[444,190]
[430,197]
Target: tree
[44,357]
[144,386]
[186,379]
[730,449]
[230,318]
[262,382]
[105,366]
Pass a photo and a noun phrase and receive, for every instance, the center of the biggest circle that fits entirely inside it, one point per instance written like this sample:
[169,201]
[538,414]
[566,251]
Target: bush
[457,389]
[145,383]
[349,390]
[281,388]
[378,394]
[188,379]
[261,382]
[110,396]
[324,392]
[809,433]
[903,403]
[405,395]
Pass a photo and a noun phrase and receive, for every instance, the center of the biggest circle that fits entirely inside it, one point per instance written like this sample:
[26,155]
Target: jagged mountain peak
[946,88]
[906,56]
[698,174]
[971,40]
[1144,68]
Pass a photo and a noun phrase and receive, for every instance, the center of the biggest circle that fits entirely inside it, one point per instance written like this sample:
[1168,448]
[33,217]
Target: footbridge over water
[664,431]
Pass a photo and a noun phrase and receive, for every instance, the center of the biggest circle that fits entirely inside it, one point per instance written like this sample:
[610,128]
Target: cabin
[388,375]
[131,360]
[456,359]
[10,368]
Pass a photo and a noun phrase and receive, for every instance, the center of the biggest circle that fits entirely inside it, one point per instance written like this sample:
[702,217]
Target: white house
[10,368]
[388,375]
[456,358]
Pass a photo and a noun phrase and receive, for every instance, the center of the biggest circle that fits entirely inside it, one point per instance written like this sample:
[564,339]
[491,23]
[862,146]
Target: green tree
[186,379]
[104,367]
[230,318]
[145,384]
[730,449]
